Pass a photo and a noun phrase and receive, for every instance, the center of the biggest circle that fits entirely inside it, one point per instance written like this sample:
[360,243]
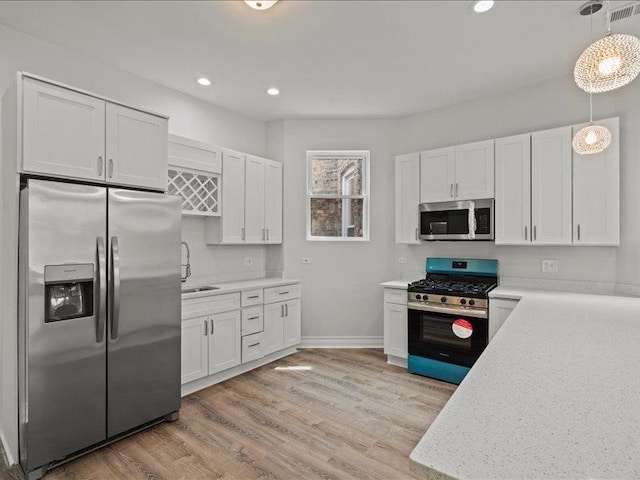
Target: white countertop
[555,395]
[238,286]
[399,284]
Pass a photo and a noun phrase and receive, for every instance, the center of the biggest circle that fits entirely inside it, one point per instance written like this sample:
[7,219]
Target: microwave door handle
[102,288]
[115,294]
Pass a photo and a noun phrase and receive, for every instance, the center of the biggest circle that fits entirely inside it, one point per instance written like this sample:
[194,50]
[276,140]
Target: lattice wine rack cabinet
[200,191]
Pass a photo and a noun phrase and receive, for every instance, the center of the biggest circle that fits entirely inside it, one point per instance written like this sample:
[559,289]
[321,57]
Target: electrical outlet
[402,260]
[550,266]
[306,260]
[248,261]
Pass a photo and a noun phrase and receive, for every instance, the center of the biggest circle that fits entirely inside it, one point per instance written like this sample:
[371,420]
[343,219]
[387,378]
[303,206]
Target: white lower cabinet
[252,347]
[195,349]
[395,323]
[499,310]
[273,328]
[224,341]
[223,331]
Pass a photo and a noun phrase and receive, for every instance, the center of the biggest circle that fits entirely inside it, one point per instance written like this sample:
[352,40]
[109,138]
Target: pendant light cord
[592,75]
[608,12]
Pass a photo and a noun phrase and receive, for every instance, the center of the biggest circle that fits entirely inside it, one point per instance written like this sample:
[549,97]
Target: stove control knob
[472,302]
[418,297]
[443,299]
[463,302]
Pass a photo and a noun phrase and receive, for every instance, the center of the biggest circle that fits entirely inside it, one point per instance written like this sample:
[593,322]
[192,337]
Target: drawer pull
[284,293]
[254,345]
[254,318]
[254,296]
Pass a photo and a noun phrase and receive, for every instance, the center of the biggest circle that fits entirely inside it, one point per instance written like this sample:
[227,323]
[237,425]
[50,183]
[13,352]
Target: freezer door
[144,308]
[62,320]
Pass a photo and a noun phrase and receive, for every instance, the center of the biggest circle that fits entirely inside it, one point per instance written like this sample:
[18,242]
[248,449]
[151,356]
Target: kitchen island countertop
[554,395]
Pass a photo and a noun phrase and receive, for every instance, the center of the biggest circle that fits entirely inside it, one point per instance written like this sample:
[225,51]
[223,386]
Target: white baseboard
[205,382]
[342,342]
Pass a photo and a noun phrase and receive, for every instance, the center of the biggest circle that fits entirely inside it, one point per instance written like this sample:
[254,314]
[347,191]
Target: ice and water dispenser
[68,291]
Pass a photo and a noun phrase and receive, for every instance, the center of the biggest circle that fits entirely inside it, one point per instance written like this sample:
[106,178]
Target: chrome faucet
[187,266]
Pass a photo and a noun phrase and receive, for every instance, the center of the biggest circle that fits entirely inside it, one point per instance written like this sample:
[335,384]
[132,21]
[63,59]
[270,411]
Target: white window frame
[365,156]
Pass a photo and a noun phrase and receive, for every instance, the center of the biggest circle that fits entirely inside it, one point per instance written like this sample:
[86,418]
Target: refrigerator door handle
[115,295]
[102,284]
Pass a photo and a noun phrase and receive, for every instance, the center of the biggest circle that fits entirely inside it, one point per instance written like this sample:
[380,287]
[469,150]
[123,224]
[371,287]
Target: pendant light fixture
[592,138]
[609,63]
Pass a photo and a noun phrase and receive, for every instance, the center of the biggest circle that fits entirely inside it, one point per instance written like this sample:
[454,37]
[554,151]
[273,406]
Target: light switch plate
[550,266]
[402,260]
[306,260]
[248,261]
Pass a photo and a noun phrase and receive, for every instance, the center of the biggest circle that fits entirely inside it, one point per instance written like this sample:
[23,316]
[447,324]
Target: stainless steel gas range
[448,315]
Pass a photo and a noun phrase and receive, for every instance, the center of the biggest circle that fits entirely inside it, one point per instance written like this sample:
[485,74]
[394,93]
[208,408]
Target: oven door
[463,220]
[456,339]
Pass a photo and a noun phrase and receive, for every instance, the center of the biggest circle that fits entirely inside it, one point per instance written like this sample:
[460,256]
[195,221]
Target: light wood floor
[351,416]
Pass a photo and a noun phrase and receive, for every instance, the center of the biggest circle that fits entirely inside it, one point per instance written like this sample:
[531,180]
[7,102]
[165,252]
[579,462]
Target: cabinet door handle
[100,166]
[282,310]
[242,233]
[254,345]
[578,231]
[111,168]
[451,190]
[526,234]
[267,234]
[456,189]
[417,236]
[264,235]
[254,318]
[206,328]
[535,233]
[286,308]
[213,326]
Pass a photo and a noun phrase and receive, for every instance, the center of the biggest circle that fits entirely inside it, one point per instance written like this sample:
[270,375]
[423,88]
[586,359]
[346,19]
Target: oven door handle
[476,313]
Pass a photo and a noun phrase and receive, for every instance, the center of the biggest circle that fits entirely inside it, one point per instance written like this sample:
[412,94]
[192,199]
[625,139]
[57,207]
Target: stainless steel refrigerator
[99,320]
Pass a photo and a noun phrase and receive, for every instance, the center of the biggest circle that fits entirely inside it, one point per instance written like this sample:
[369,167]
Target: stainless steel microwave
[461,220]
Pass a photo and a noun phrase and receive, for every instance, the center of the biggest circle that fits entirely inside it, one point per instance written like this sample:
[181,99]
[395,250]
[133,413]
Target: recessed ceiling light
[260,4]
[204,81]
[482,6]
[273,91]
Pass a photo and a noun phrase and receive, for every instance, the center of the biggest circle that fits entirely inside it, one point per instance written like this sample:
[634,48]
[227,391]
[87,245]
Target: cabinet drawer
[252,347]
[395,295]
[251,297]
[281,294]
[252,320]
[210,305]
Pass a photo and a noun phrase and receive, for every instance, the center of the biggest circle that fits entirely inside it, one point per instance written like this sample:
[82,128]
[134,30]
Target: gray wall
[341,297]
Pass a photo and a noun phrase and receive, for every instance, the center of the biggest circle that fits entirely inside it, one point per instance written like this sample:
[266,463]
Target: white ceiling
[328,58]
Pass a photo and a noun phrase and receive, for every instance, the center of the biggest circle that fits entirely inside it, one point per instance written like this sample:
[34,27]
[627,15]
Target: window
[338,195]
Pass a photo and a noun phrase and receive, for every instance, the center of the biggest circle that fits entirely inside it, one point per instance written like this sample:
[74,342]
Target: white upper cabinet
[407,198]
[136,148]
[63,132]
[251,201]
[596,192]
[474,164]
[75,135]
[437,175]
[551,186]
[233,183]
[254,200]
[194,175]
[513,190]
[464,172]
[273,201]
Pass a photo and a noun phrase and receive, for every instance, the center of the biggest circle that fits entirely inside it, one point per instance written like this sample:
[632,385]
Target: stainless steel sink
[200,289]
